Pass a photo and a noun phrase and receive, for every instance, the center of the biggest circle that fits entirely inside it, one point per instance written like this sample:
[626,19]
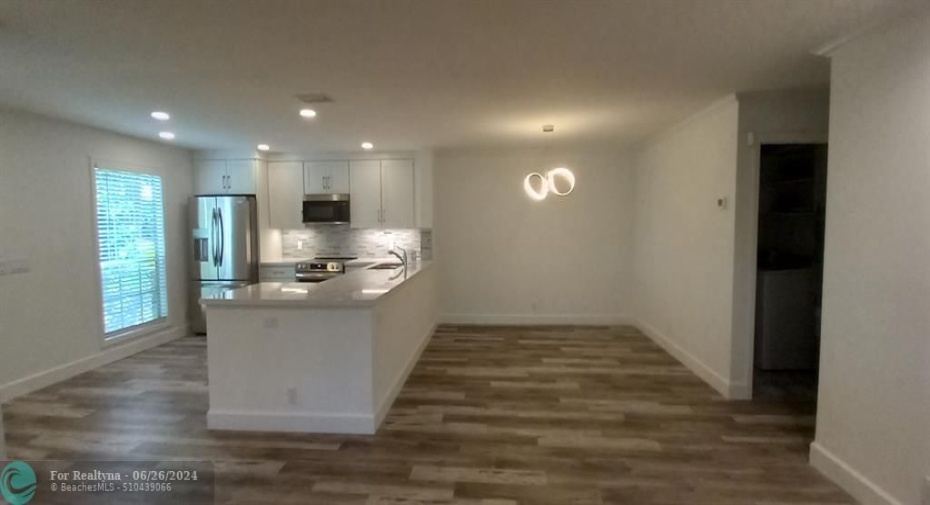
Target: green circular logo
[18,483]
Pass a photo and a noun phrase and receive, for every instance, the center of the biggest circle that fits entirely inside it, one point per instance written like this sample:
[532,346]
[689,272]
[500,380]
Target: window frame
[144,329]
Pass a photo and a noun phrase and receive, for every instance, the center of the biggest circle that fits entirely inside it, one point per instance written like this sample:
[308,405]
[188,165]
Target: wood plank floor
[489,416]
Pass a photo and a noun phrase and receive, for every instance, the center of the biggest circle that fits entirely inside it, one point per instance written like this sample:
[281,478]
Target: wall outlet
[292,396]
[270,323]
[300,245]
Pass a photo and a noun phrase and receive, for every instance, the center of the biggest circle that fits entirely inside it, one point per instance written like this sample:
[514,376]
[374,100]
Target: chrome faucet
[403,259]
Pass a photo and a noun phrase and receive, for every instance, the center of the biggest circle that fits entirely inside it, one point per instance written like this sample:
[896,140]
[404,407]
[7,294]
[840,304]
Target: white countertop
[289,262]
[356,289]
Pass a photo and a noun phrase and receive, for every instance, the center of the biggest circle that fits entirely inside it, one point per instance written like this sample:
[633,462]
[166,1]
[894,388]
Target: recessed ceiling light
[263,147]
[367,145]
[166,135]
[161,116]
[307,112]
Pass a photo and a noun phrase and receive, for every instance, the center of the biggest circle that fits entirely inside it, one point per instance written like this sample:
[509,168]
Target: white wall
[50,317]
[770,117]
[507,259]
[875,350]
[683,246]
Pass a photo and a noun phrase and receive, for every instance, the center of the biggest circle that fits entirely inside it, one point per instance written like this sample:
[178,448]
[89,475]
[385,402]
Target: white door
[210,177]
[338,181]
[285,194]
[365,199]
[315,175]
[240,177]
[397,194]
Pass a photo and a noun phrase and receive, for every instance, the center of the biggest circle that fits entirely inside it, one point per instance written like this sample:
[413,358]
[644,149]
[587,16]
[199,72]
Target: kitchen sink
[387,266]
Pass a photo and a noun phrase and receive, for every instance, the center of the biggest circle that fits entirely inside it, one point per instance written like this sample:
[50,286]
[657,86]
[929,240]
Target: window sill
[135,333]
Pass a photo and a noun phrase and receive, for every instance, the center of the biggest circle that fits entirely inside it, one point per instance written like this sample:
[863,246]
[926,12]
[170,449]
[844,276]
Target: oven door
[326,209]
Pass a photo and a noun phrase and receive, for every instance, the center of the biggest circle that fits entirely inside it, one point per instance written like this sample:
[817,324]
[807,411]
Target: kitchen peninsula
[317,358]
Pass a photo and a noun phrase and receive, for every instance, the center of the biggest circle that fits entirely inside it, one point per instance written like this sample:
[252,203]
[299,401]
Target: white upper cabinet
[397,194]
[326,177]
[210,177]
[285,187]
[240,176]
[382,194]
[235,177]
[365,194]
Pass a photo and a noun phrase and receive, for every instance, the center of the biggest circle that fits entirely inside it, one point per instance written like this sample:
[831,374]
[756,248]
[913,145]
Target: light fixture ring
[534,193]
[562,173]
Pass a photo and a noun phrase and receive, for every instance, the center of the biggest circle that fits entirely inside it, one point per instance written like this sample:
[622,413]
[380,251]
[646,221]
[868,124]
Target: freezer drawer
[200,290]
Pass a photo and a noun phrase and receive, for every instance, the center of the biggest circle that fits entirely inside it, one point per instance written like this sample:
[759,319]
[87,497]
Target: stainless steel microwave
[326,209]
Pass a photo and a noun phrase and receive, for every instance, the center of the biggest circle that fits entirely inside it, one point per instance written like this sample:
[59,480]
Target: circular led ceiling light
[535,193]
[538,186]
[564,174]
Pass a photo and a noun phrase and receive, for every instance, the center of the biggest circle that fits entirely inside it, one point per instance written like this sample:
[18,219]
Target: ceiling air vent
[314,98]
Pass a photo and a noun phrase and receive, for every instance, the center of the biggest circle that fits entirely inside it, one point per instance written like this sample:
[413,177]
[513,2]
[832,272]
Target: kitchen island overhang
[317,358]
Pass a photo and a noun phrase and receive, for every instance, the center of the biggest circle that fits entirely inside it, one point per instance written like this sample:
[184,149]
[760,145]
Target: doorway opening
[789,278]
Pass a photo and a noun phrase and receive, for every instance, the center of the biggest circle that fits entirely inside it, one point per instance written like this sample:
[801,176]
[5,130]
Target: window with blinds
[131,242]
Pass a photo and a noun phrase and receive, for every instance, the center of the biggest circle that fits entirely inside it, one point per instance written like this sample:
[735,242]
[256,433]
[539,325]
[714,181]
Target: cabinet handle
[327,182]
[225,182]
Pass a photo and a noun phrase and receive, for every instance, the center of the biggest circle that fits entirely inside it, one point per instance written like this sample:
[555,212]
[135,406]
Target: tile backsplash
[343,240]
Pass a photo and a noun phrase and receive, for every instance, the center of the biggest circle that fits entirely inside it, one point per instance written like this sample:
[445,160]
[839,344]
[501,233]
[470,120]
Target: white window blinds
[131,241]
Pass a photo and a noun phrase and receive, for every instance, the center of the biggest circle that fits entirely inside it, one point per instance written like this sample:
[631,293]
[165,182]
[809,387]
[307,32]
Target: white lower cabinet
[382,193]
[276,273]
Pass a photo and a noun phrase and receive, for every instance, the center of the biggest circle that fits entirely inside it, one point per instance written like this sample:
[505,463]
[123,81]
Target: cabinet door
[285,194]
[397,200]
[338,181]
[365,199]
[316,177]
[240,177]
[210,177]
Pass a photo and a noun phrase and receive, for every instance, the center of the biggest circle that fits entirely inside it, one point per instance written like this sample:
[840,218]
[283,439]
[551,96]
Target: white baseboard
[108,355]
[844,475]
[536,319]
[398,384]
[729,390]
[299,422]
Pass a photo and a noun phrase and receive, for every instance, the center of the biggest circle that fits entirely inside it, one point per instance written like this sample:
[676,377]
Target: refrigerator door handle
[222,236]
[213,236]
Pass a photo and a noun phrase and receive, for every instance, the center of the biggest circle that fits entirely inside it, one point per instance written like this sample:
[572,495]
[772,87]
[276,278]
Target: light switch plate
[17,266]
[13,266]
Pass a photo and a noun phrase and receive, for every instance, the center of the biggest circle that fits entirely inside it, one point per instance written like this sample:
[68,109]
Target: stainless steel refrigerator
[224,249]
